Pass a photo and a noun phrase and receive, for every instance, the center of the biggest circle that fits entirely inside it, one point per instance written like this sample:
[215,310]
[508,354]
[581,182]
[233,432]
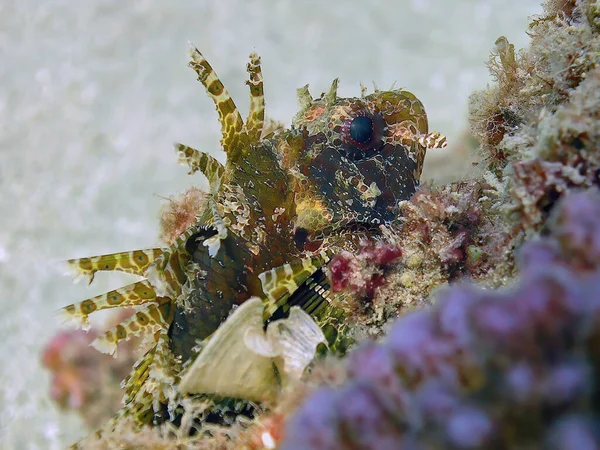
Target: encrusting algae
[313,237]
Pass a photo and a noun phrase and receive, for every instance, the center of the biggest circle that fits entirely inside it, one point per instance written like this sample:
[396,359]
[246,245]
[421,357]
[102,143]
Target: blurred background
[93,94]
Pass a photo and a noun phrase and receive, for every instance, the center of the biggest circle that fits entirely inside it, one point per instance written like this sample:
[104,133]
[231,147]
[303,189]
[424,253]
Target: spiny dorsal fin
[304,97]
[256,114]
[363,90]
[131,295]
[229,116]
[134,262]
[331,95]
[200,161]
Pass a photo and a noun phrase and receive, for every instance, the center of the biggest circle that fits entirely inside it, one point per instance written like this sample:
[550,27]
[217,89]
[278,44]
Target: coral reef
[539,124]
[446,233]
[482,369]
[539,134]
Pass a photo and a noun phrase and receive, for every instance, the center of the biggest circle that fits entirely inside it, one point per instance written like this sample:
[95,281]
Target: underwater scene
[342,226]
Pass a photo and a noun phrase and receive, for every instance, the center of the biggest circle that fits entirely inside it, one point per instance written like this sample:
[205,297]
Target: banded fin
[229,116]
[363,90]
[256,115]
[312,296]
[138,402]
[141,412]
[432,140]
[131,295]
[138,376]
[281,282]
[150,319]
[200,161]
[134,262]
[148,384]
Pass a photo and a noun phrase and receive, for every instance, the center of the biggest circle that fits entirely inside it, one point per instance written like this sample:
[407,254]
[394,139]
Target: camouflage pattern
[277,211]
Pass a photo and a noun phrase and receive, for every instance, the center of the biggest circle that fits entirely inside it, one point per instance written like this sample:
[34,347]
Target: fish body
[275,213]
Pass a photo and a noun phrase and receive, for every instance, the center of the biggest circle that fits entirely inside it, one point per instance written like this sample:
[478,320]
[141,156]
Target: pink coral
[60,357]
[363,272]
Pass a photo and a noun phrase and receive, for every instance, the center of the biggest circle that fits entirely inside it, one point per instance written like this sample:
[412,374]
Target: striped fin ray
[149,319]
[331,95]
[140,394]
[138,402]
[256,114]
[229,115]
[305,99]
[141,411]
[313,296]
[200,161]
[281,282]
[134,262]
[434,139]
[142,388]
[139,374]
[131,295]
[179,244]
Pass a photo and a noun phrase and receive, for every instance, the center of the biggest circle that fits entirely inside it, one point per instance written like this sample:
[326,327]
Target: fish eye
[362,135]
[361,130]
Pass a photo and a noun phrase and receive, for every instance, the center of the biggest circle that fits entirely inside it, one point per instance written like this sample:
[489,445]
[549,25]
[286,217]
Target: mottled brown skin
[322,181]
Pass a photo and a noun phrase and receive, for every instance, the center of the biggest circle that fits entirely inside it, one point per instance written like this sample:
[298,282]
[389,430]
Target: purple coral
[482,369]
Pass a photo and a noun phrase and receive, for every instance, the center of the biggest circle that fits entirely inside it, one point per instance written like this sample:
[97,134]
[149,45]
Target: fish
[240,301]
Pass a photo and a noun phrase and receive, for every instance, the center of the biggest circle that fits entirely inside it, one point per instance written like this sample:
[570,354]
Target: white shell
[239,359]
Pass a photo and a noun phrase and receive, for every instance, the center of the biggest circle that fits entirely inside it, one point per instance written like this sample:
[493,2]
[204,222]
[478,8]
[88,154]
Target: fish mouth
[311,241]
[358,226]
